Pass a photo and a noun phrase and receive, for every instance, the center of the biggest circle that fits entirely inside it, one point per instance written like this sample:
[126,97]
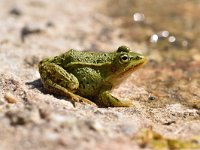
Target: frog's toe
[82,100]
[86,101]
[107,100]
[122,103]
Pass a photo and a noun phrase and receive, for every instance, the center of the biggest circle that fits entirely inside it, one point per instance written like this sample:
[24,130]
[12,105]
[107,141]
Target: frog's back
[85,57]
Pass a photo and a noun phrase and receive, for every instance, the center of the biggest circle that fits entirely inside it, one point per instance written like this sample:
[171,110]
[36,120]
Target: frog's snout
[139,57]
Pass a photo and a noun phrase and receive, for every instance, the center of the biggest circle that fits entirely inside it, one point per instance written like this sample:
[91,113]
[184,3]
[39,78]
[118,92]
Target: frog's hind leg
[58,89]
[58,81]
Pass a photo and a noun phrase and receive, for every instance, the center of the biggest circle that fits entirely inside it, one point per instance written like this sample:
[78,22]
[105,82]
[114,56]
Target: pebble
[95,125]
[58,118]
[151,98]
[31,29]
[16,11]
[10,98]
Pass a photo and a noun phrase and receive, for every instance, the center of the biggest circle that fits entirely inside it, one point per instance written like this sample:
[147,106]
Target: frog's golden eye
[124,58]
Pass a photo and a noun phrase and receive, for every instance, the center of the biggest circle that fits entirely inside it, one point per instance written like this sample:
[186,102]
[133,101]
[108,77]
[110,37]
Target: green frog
[89,77]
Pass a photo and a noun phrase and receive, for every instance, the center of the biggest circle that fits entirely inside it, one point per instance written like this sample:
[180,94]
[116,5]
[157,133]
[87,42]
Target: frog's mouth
[131,69]
[119,78]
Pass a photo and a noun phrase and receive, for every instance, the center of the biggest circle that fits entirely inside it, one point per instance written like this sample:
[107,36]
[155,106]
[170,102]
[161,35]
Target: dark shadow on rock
[37,84]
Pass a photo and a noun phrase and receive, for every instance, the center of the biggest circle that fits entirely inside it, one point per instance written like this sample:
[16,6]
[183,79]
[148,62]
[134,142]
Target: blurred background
[166,89]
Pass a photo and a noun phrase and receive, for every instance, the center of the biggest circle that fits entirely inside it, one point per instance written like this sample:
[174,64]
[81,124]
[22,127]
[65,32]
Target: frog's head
[125,61]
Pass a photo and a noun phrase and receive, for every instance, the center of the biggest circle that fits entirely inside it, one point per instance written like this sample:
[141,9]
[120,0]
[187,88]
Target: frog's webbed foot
[107,100]
[58,81]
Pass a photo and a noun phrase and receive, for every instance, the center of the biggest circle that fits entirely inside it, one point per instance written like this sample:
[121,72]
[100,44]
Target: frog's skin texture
[81,76]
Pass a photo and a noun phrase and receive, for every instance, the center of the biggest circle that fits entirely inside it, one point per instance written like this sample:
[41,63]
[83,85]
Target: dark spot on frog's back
[81,84]
[78,59]
[98,61]
[86,57]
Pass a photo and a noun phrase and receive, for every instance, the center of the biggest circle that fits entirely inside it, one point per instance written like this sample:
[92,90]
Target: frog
[90,76]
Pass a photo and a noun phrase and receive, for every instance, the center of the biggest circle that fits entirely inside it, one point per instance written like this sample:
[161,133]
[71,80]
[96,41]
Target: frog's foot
[58,89]
[77,98]
[107,100]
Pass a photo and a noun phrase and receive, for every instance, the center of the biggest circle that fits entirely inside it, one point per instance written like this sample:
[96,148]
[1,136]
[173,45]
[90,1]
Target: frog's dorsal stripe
[72,64]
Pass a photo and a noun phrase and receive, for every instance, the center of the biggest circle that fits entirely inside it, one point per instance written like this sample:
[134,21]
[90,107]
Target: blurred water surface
[163,24]
[170,32]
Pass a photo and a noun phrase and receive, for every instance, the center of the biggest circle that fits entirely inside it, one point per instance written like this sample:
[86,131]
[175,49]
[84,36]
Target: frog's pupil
[124,57]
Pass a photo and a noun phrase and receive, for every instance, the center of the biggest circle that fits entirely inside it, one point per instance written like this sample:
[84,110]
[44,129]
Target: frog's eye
[124,58]
[123,49]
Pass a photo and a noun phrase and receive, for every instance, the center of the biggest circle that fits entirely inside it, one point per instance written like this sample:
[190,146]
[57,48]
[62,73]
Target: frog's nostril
[139,57]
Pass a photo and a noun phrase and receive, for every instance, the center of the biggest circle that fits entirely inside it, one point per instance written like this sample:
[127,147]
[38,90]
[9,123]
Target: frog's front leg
[107,100]
[58,81]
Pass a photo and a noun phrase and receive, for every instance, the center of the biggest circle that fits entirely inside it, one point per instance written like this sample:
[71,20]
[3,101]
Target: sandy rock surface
[31,118]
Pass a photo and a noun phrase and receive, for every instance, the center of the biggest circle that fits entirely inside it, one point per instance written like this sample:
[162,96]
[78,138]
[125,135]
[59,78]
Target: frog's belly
[90,81]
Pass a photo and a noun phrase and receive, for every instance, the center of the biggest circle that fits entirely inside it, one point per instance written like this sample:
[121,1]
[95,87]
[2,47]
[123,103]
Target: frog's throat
[117,79]
[131,69]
